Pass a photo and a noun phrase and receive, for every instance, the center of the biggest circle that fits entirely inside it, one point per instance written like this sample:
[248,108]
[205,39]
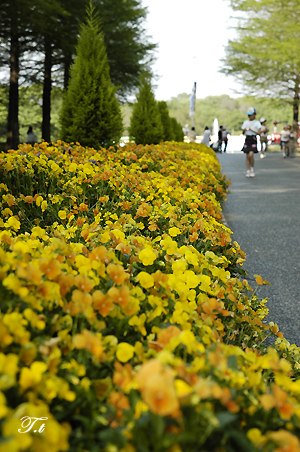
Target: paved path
[264,214]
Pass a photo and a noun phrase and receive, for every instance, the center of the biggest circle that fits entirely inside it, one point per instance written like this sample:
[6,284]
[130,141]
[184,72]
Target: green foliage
[265,56]
[128,49]
[177,130]
[167,134]
[91,114]
[30,111]
[145,124]
[229,112]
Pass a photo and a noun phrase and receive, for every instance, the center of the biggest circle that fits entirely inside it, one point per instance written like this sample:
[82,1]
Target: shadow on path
[264,215]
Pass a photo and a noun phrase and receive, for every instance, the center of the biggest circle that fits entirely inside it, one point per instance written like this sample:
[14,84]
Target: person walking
[224,138]
[284,140]
[251,128]
[220,139]
[192,135]
[31,136]
[206,136]
[291,141]
[263,137]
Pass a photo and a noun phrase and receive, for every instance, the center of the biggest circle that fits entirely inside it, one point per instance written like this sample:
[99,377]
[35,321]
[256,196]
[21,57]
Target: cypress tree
[177,130]
[145,124]
[91,113]
[166,121]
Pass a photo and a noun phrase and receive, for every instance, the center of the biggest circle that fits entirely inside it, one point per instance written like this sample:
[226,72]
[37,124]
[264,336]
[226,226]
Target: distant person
[291,141]
[220,139]
[192,135]
[31,136]
[206,136]
[263,137]
[251,127]
[284,140]
[224,138]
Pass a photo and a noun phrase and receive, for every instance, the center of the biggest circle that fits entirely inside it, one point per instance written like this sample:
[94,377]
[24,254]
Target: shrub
[90,113]
[145,123]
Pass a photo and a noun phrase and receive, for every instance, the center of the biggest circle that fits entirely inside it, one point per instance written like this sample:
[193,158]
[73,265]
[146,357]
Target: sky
[191,35]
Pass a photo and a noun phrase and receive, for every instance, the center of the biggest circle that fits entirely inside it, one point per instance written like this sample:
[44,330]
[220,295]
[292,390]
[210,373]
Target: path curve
[264,214]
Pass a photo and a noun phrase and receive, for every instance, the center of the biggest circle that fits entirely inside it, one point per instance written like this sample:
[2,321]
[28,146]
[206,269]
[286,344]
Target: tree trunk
[46,123]
[12,140]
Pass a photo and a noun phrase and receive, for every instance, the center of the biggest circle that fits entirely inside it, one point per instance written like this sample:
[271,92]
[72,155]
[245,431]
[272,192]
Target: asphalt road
[264,214]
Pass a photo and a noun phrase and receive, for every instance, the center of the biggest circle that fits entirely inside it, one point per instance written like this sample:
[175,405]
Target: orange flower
[83,207]
[126,205]
[50,267]
[123,248]
[118,401]
[143,210]
[65,282]
[103,198]
[193,236]
[80,221]
[164,336]
[286,441]
[28,199]
[119,295]
[83,283]
[156,383]
[123,375]
[278,400]
[90,342]
[99,254]
[116,273]
[80,297]
[31,273]
[102,303]
[160,395]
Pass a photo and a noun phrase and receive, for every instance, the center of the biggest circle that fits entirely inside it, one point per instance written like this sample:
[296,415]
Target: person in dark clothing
[220,139]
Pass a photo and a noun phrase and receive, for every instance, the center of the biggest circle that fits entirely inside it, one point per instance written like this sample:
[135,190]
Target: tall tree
[265,56]
[167,134]
[91,113]
[12,34]
[145,124]
[128,48]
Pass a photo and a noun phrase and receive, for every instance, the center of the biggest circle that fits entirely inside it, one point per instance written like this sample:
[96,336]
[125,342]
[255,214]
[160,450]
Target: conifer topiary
[166,121]
[145,124]
[177,130]
[91,114]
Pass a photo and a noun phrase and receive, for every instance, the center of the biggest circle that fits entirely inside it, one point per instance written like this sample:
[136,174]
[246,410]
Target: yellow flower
[31,377]
[39,200]
[125,352]
[44,206]
[147,256]
[145,280]
[13,223]
[174,231]
[62,214]
[169,245]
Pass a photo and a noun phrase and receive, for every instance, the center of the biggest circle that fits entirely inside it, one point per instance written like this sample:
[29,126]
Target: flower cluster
[126,317]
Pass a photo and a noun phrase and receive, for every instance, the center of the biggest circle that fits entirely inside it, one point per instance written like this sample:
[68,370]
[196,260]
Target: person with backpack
[251,128]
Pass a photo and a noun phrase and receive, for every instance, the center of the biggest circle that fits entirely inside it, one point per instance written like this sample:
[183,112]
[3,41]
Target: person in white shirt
[251,127]
[31,136]
[284,140]
[206,136]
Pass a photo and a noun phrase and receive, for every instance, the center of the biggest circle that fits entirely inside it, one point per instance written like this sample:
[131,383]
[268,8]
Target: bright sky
[191,35]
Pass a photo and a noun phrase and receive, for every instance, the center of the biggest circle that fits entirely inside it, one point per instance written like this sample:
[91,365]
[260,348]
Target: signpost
[192,104]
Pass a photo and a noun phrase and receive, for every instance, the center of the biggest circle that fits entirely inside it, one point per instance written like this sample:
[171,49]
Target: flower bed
[126,322]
